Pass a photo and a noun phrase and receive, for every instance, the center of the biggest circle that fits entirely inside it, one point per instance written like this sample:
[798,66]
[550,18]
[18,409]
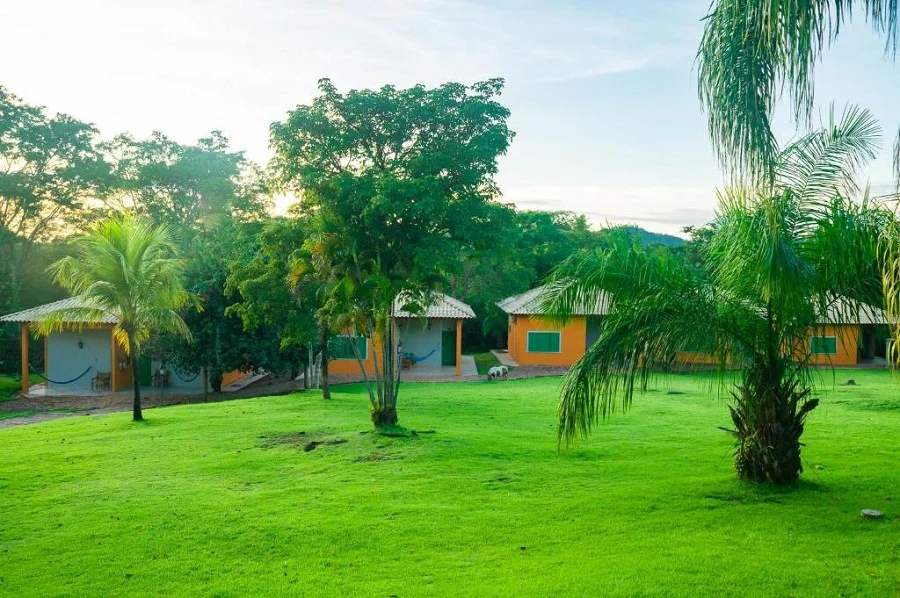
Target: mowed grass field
[224,500]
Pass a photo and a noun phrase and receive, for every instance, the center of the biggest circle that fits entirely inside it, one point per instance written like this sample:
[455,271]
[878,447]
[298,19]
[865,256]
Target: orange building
[85,358]
[428,341]
[847,340]
[533,340]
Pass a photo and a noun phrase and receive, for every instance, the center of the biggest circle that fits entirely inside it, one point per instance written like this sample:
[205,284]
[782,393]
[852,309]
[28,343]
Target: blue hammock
[182,378]
[418,359]
[75,379]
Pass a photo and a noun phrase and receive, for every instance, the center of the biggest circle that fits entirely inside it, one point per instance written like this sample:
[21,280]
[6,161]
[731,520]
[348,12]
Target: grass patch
[11,385]
[14,414]
[485,361]
[222,499]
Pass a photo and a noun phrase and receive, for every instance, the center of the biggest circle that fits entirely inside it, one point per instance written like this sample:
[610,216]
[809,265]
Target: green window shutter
[543,342]
[823,345]
[340,347]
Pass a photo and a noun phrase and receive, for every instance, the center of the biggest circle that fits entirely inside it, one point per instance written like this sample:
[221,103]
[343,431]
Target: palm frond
[897,161]
[128,268]
[752,51]
[658,306]
[827,161]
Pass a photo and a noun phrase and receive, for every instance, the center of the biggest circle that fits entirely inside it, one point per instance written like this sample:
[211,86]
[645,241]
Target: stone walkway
[504,358]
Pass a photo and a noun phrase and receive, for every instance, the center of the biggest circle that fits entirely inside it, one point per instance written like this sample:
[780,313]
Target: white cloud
[657,208]
[188,67]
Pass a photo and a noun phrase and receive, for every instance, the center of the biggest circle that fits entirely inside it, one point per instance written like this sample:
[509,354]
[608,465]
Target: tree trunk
[323,339]
[769,415]
[136,379]
[384,417]
[385,413]
[215,378]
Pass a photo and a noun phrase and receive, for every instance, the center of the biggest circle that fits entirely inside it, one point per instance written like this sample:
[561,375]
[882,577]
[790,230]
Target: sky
[602,93]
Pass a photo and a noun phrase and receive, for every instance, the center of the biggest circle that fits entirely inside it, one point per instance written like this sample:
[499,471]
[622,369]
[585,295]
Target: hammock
[418,359]
[75,379]
[182,378]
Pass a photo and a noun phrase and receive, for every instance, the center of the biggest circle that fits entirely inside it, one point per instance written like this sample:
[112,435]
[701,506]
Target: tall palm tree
[129,268]
[753,50]
[781,259]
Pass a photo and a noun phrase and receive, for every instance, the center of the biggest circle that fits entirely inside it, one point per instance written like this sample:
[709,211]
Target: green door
[145,377]
[448,347]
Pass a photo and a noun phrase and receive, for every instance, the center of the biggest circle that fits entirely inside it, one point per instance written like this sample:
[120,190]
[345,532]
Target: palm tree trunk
[769,414]
[323,340]
[386,416]
[136,379]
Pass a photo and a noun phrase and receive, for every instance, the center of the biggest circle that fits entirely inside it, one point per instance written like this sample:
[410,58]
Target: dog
[497,372]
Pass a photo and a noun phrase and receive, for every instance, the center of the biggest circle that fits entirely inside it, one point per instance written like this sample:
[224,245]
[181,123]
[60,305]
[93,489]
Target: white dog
[497,372]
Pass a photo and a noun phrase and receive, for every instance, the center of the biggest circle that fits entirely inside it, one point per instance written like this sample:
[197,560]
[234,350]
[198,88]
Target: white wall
[66,360]
[420,339]
[176,383]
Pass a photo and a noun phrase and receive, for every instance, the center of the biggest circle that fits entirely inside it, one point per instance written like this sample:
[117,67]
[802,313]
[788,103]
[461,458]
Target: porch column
[25,384]
[459,347]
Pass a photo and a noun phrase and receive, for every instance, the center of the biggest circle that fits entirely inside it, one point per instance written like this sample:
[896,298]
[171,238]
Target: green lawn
[220,500]
[14,414]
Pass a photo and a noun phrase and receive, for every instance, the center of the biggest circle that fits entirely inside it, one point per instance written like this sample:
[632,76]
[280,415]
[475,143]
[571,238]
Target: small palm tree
[129,268]
[782,259]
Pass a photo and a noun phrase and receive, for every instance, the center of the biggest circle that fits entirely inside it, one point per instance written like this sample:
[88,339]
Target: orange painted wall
[229,377]
[847,344]
[572,340]
[695,358]
[351,366]
[574,336]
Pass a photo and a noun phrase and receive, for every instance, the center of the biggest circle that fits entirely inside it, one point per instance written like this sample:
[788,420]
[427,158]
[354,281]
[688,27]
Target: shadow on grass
[745,492]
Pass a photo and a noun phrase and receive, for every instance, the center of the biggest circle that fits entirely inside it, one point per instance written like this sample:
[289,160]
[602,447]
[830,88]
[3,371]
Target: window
[340,347]
[543,342]
[823,345]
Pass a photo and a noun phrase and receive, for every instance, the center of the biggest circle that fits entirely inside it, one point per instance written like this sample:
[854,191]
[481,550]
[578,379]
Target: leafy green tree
[50,171]
[129,268]
[220,343]
[780,259]
[260,294]
[547,238]
[404,177]
[187,187]
[754,50]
